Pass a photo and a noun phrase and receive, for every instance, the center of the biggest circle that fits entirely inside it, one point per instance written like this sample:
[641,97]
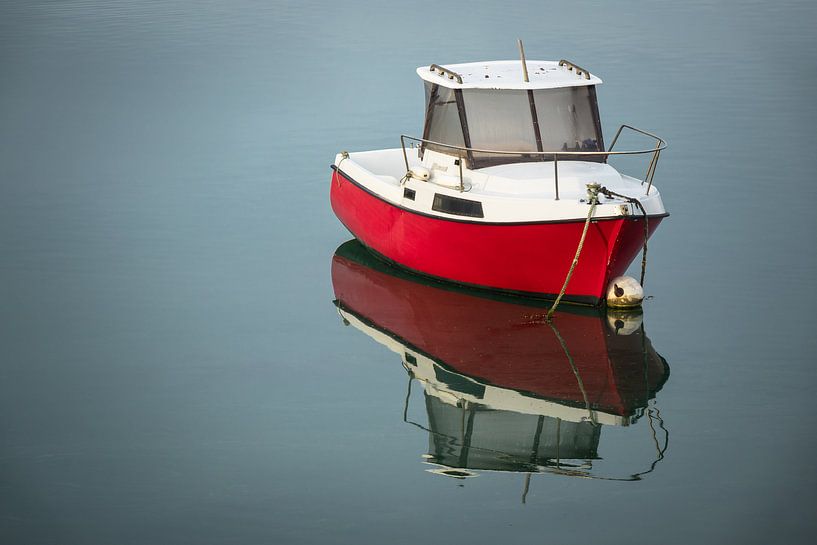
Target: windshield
[564,119]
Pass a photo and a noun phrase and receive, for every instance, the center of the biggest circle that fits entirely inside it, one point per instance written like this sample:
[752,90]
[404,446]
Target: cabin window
[443,122]
[500,120]
[527,122]
[569,120]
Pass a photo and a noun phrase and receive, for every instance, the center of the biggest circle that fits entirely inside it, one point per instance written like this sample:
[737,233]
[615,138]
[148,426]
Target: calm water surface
[175,368]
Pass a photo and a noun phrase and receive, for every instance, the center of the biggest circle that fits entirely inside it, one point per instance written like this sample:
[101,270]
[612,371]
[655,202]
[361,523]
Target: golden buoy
[624,292]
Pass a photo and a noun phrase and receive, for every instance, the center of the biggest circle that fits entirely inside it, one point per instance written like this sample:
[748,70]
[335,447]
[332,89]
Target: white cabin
[489,106]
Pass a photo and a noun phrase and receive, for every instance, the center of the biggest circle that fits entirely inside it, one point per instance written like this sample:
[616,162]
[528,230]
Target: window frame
[475,162]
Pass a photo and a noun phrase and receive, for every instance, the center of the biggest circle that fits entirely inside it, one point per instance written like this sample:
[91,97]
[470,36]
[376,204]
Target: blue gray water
[173,369]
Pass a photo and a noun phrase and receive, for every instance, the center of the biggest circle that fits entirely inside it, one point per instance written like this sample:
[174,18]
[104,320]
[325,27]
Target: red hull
[530,258]
[502,344]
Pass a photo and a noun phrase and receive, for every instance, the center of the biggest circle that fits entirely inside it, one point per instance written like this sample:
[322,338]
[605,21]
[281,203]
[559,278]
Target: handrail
[660,145]
[636,129]
[571,66]
[445,71]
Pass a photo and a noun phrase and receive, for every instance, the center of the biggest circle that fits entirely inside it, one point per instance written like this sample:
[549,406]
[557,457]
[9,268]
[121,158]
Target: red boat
[509,181]
[504,389]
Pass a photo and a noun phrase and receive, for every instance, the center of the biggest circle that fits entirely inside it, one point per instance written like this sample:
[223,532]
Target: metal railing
[579,70]
[446,72]
[660,145]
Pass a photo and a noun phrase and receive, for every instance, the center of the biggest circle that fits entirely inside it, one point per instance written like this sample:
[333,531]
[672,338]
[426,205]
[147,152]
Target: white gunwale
[509,193]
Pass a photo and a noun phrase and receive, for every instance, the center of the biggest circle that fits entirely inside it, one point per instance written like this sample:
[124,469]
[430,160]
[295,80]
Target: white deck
[508,75]
[512,193]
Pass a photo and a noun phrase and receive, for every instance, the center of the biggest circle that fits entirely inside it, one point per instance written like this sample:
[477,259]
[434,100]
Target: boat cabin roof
[508,75]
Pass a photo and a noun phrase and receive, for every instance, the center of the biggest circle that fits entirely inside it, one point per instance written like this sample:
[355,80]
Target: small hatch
[457,206]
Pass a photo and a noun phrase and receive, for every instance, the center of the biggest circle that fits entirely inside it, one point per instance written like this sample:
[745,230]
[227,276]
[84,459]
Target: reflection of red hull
[531,258]
[502,343]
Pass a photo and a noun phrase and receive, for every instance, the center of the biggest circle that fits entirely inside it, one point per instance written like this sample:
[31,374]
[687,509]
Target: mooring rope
[590,415]
[593,192]
[640,206]
[343,156]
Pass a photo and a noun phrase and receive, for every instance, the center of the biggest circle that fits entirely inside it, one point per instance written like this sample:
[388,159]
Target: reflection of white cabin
[476,437]
[474,425]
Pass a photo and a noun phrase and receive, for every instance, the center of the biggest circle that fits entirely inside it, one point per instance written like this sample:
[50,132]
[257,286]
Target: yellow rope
[591,416]
[646,218]
[593,192]
[343,156]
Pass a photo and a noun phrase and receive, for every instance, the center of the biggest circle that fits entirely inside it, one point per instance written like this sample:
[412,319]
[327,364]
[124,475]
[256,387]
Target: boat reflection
[504,389]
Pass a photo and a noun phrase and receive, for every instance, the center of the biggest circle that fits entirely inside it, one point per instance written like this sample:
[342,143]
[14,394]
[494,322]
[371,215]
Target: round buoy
[624,321]
[624,292]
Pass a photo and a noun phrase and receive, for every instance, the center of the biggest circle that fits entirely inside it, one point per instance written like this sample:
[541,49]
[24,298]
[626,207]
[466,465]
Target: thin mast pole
[524,64]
